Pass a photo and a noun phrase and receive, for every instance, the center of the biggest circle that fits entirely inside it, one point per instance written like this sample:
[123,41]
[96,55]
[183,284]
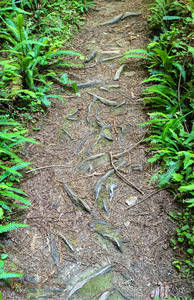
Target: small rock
[127,223]
[131,201]
[105,296]
[137,167]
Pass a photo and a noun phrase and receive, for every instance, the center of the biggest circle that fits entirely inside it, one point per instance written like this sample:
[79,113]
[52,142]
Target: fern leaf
[14,168]
[11,154]
[5,205]
[14,196]
[166,177]
[187,188]
[10,171]
[141,51]
[6,275]
[67,52]
[154,121]
[171,18]
[11,226]
[181,70]
[156,114]
[27,92]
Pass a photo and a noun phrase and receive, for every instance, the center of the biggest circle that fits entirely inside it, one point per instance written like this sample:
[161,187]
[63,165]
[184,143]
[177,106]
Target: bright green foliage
[12,136]
[11,226]
[164,12]
[5,275]
[58,19]
[169,96]
[30,64]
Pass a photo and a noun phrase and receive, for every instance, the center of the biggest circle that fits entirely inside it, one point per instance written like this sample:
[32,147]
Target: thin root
[122,177]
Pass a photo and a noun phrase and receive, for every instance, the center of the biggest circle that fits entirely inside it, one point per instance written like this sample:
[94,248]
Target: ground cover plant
[58,19]
[169,98]
[12,135]
[30,50]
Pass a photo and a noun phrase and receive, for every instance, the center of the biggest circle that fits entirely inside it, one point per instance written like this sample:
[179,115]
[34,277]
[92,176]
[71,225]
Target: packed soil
[95,237]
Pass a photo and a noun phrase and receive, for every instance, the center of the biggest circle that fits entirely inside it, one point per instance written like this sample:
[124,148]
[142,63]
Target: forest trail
[114,244]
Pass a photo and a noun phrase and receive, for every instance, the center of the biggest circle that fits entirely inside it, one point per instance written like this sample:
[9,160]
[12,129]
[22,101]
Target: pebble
[131,200]
[126,276]
[137,167]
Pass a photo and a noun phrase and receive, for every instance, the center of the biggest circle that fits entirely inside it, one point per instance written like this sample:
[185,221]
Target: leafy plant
[163,12]
[12,135]
[3,273]
[169,95]
[31,61]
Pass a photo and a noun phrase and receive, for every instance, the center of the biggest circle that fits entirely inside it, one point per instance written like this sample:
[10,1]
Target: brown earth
[51,269]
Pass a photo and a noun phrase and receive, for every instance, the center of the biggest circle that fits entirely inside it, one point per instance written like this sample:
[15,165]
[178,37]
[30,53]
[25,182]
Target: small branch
[144,199]
[122,177]
[129,149]
[87,67]
[81,178]
[46,167]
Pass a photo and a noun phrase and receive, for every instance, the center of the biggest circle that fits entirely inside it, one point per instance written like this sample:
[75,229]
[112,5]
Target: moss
[104,194]
[71,111]
[67,124]
[95,286]
[107,132]
[72,241]
[11,266]
[116,296]
[103,143]
[107,230]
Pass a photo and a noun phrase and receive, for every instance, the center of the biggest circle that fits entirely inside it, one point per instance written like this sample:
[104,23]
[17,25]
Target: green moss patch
[95,286]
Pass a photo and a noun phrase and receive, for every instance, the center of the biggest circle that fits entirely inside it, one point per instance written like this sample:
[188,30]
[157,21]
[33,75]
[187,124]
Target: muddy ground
[66,253]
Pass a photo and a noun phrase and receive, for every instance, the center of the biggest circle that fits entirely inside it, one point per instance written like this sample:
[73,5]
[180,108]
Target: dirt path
[64,254]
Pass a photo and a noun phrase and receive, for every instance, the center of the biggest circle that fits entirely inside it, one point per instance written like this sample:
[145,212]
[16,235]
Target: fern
[11,226]
[170,96]
[137,53]
[6,275]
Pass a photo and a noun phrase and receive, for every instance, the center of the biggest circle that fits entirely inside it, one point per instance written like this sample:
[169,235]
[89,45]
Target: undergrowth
[32,38]
[169,97]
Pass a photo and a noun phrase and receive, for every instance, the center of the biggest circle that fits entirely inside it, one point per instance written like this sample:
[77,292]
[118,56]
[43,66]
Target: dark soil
[142,226]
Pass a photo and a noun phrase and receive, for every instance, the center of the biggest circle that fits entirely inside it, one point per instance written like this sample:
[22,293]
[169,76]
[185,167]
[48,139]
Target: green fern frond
[12,195]
[13,168]
[66,52]
[11,226]
[6,275]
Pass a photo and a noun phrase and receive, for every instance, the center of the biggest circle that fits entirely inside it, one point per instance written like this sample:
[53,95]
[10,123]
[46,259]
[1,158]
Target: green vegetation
[3,273]
[169,98]
[31,47]
[56,19]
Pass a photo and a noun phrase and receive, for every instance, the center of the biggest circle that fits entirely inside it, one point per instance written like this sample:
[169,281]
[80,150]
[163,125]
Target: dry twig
[144,199]
[129,149]
[46,167]
[122,177]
